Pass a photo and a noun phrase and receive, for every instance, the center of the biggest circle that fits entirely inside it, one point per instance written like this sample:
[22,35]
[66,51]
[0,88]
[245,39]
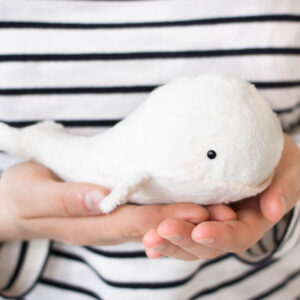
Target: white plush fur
[158,154]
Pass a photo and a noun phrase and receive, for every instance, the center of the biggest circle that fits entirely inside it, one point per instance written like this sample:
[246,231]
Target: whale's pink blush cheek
[191,166]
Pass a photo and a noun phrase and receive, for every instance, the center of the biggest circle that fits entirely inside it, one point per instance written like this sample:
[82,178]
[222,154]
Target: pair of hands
[34,203]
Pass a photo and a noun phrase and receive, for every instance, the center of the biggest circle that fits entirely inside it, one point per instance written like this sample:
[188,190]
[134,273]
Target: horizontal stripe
[230,282]
[68,123]
[76,90]
[66,286]
[278,286]
[119,254]
[277,84]
[148,55]
[142,285]
[207,21]
[121,89]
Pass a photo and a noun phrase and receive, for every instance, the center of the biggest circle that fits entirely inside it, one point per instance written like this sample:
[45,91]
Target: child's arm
[255,217]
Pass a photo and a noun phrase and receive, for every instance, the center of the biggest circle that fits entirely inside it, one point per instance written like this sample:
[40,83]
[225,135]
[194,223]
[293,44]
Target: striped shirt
[88,64]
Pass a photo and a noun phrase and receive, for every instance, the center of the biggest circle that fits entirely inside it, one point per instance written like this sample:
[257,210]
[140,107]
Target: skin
[35,203]
[254,216]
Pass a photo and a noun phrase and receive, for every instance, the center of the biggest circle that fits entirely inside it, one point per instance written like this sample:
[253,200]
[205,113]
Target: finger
[178,232]
[232,236]
[155,245]
[146,217]
[280,197]
[92,230]
[40,193]
[67,199]
[221,212]
[284,191]
[273,203]
[124,224]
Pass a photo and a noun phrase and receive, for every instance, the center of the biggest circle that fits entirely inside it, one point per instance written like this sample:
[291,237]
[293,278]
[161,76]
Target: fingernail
[206,242]
[159,247]
[174,238]
[283,203]
[93,199]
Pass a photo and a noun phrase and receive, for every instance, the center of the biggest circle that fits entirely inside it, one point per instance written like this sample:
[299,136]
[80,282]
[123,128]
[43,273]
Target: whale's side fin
[122,192]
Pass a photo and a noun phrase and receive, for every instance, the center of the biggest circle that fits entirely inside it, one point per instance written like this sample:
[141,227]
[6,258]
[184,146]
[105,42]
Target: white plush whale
[210,139]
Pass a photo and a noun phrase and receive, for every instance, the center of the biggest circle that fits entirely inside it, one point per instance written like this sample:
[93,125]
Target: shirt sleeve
[283,237]
[21,264]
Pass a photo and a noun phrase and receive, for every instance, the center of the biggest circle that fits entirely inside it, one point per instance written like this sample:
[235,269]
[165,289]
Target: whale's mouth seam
[253,186]
[267,179]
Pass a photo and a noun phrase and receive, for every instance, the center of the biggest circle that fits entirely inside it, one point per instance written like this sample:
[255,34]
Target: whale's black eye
[211,154]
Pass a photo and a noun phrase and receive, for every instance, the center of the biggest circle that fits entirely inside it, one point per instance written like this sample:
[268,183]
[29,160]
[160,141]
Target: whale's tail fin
[9,139]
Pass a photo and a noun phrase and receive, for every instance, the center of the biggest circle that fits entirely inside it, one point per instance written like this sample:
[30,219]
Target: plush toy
[209,139]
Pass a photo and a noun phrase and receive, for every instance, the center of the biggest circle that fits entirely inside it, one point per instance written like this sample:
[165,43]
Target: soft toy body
[210,139]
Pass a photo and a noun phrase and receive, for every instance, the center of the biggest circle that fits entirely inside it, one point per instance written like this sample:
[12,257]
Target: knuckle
[132,234]
[63,203]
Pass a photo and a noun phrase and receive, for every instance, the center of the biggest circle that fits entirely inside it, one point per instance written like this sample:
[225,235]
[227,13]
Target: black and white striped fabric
[88,64]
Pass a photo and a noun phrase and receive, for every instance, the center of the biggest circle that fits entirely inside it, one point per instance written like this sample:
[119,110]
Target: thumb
[71,199]
[273,204]
[33,191]
[284,191]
